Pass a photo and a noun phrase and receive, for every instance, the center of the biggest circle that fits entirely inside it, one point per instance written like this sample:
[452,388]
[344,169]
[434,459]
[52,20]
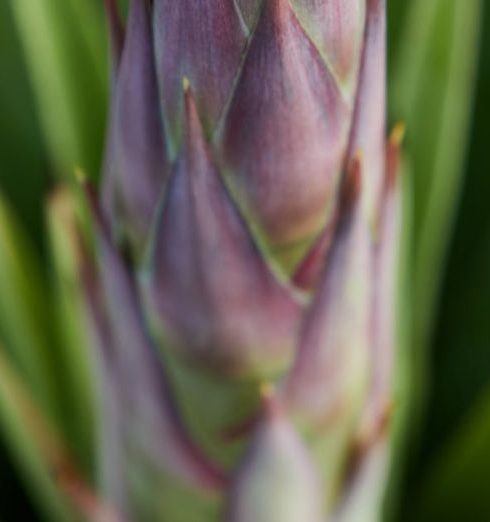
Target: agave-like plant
[238,267]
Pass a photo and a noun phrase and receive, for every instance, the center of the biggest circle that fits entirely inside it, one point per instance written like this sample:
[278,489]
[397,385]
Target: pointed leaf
[210,291]
[204,44]
[19,132]
[136,159]
[287,123]
[73,360]
[384,313]
[368,133]
[331,364]
[111,455]
[158,431]
[63,44]
[25,312]
[277,480]
[435,77]
[35,450]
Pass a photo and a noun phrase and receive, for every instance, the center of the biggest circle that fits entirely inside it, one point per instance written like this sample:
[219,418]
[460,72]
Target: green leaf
[397,10]
[74,357]
[64,48]
[34,449]
[432,87]
[460,363]
[25,312]
[22,160]
[457,486]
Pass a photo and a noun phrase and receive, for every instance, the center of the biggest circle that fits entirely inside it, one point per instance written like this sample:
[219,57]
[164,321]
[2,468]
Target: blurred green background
[446,471]
[450,467]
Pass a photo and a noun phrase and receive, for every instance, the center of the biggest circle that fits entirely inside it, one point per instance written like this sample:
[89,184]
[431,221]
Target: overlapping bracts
[247,227]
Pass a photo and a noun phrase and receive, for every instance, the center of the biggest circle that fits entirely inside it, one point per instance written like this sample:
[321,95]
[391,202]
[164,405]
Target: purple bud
[285,132]
[137,156]
[151,416]
[204,43]
[211,294]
